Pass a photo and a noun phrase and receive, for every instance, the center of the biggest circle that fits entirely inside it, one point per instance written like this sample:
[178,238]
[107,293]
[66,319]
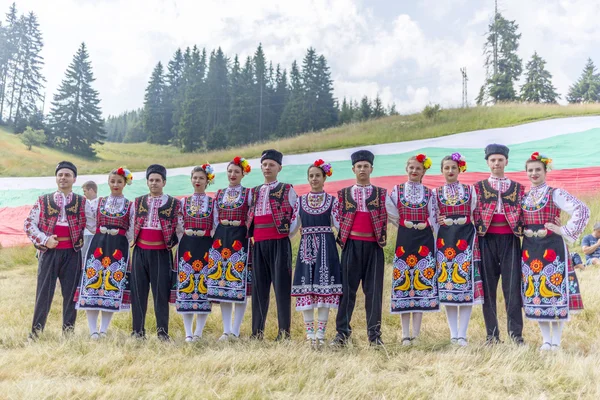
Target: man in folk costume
[55,225]
[155,223]
[362,236]
[499,226]
[269,221]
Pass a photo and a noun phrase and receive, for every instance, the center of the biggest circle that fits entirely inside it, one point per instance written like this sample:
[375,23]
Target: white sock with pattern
[322,318]
[309,323]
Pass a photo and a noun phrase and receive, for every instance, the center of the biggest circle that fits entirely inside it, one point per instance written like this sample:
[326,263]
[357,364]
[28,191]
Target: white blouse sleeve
[579,212]
[335,214]
[215,214]
[129,233]
[296,223]
[31,226]
[391,205]
[473,199]
[180,224]
[434,212]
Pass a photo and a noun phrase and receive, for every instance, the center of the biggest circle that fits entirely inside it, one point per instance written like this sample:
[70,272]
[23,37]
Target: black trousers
[361,261]
[501,256]
[64,265]
[151,269]
[271,263]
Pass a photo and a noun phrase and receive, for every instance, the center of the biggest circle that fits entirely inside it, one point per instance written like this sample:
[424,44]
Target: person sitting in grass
[591,246]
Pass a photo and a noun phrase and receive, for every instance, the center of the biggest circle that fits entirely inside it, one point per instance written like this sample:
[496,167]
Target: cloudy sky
[408,51]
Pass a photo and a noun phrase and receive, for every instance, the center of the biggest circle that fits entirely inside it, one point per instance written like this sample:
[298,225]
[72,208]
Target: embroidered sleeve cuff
[567,235]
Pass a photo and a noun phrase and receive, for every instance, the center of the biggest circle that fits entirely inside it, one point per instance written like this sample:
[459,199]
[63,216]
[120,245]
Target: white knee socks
[464,317]
[226,311]
[92,317]
[106,318]
[240,310]
[452,315]
[200,323]
[188,321]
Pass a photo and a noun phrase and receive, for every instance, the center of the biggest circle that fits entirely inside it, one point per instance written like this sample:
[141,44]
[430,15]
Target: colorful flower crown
[423,159]
[125,173]
[242,163]
[326,167]
[210,172]
[536,156]
[461,161]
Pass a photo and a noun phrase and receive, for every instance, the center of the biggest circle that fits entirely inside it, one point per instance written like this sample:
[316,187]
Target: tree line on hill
[206,100]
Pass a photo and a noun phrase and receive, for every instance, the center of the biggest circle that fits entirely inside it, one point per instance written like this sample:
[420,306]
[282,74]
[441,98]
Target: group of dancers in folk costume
[453,244]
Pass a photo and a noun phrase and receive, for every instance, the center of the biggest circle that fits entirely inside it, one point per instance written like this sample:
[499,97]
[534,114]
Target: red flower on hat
[423,251]
[187,256]
[216,244]
[318,163]
[117,254]
[121,171]
[237,160]
[535,155]
[421,158]
[237,245]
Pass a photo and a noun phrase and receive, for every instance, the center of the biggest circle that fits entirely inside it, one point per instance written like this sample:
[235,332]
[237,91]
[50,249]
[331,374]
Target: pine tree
[154,107]
[503,65]
[366,111]
[174,90]
[280,97]
[378,110]
[217,104]
[587,87]
[538,82]
[75,118]
[311,87]
[392,111]
[30,79]
[10,59]
[191,127]
[326,109]
[262,92]
[292,120]
[243,121]
[345,116]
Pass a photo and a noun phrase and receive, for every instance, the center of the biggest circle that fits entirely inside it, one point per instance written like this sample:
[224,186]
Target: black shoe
[138,335]
[33,336]
[164,337]
[518,340]
[283,336]
[339,341]
[492,340]
[256,336]
[377,342]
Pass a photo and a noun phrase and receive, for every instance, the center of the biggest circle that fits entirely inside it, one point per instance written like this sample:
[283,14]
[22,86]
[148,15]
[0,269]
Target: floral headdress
[243,164]
[423,159]
[325,167]
[461,161]
[125,173]
[543,159]
[210,172]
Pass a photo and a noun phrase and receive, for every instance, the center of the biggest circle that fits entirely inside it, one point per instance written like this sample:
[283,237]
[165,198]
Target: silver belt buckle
[542,233]
[192,232]
[105,231]
[457,221]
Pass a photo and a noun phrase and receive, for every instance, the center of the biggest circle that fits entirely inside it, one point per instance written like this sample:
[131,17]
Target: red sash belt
[499,225]
[264,229]
[151,239]
[362,228]
[63,235]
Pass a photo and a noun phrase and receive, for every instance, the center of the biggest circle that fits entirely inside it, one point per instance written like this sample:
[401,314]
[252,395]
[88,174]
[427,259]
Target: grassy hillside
[120,367]
[16,160]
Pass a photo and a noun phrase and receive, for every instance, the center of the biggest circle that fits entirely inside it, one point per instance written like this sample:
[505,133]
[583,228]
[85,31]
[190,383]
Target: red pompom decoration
[535,156]
[237,160]
[120,171]
[318,163]
[421,158]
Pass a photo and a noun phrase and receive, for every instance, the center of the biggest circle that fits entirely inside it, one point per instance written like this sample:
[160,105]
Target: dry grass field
[119,367]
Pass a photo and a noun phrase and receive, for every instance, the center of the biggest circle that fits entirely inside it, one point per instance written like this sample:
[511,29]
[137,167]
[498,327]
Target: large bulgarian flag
[571,142]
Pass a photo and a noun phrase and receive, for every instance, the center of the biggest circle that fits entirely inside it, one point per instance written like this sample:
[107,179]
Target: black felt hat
[157,169]
[496,149]
[272,154]
[362,155]
[66,164]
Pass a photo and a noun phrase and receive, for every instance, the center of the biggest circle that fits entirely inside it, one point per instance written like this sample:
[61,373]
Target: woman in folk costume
[411,207]
[105,279]
[196,223]
[547,286]
[317,282]
[229,274]
[457,252]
